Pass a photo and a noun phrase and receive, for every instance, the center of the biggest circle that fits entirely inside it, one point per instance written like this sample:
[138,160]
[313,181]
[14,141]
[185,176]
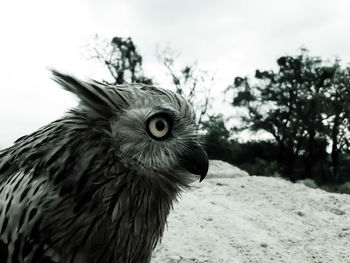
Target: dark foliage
[216,139]
[304,106]
[257,157]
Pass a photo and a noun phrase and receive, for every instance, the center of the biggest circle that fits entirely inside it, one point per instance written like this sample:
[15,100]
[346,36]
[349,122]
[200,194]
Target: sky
[226,37]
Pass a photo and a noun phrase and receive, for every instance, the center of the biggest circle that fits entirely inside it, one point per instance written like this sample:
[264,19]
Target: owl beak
[196,161]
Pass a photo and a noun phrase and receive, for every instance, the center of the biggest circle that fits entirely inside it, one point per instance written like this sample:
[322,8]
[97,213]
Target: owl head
[151,130]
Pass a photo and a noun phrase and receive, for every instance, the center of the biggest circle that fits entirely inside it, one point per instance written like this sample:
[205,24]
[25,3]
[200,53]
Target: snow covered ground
[256,219]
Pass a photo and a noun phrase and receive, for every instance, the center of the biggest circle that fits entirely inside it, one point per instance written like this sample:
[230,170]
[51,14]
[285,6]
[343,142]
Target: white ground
[256,219]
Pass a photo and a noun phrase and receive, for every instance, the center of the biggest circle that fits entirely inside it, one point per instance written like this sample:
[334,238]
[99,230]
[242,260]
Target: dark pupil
[160,125]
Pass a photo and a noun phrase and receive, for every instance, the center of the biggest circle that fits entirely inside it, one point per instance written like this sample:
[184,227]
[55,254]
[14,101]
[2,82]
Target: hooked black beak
[196,161]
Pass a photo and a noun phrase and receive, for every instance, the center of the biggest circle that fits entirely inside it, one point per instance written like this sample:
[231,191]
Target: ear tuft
[93,94]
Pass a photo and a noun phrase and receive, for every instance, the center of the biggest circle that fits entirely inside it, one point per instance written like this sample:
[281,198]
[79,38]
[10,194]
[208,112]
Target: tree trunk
[335,150]
[289,160]
[309,161]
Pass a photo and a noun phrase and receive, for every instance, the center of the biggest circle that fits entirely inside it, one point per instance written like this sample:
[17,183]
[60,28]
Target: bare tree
[121,58]
[189,81]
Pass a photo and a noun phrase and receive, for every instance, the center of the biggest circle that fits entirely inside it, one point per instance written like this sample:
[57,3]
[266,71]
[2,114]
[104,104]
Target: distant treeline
[264,157]
[305,106]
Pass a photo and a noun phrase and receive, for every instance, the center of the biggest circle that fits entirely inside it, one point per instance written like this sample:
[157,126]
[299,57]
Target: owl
[98,184]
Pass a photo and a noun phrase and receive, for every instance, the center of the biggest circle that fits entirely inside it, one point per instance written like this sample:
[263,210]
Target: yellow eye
[158,127]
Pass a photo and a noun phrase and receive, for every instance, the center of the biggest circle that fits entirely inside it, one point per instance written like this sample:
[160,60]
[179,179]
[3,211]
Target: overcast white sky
[229,37]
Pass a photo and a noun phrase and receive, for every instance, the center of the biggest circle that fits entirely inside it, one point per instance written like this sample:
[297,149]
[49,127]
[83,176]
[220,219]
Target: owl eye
[158,127]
